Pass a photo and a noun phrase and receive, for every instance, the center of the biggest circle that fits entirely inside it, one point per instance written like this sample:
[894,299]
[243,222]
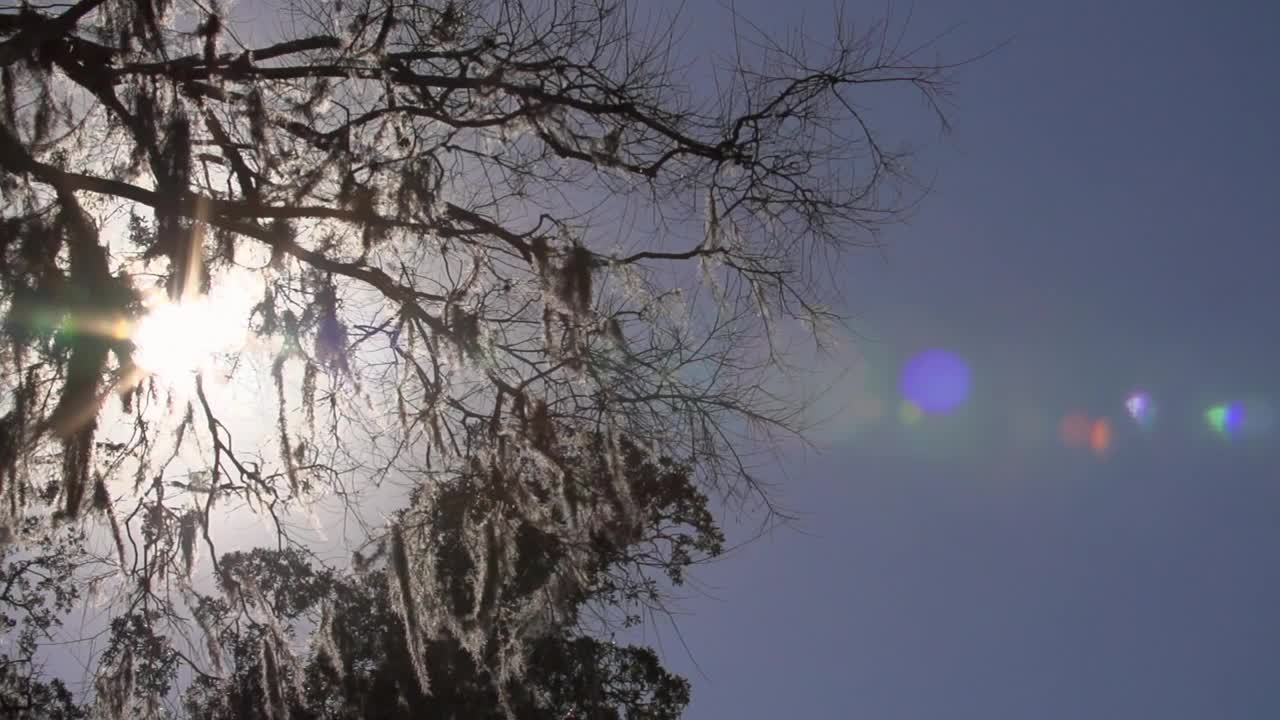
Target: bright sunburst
[174,339]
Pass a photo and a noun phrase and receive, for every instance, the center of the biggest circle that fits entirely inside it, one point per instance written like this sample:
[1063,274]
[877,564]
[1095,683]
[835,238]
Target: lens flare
[909,413]
[1226,419]
[1141,408]
[1100,437]
[936,382]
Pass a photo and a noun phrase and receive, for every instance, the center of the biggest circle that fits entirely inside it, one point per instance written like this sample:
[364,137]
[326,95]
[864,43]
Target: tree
[380,651]
[36,588]
[517,282]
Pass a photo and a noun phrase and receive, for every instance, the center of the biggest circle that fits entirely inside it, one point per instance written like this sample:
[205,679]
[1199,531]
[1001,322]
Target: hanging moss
[255,109]
[209,30]
[464,331]
[77,457]
[538,247]
[541,432]
[331,332]
[8,103]
[282,422]
[188,526]
[575,280]
[272,684]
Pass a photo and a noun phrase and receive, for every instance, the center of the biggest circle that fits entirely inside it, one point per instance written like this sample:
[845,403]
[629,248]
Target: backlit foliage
[515,293]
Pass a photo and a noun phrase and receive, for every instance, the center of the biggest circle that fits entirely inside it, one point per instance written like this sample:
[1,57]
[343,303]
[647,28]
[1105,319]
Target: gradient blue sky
[1101,220]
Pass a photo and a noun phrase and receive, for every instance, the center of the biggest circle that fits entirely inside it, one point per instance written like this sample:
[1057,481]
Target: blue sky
[1101,220]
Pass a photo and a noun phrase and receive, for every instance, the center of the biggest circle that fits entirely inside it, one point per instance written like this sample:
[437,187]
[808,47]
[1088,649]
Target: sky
[1099,223]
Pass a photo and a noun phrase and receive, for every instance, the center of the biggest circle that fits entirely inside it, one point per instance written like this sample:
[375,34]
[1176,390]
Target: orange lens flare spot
[121,329]
[1100,437]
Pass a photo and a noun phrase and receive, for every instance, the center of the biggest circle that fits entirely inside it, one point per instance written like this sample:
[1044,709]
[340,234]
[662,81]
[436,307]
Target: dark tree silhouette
[520,294]
[374,653]
[37,587]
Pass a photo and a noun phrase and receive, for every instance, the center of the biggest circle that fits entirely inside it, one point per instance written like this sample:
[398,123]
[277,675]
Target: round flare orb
[1100,437]
[1226,419]
[936,382]
[1141,408]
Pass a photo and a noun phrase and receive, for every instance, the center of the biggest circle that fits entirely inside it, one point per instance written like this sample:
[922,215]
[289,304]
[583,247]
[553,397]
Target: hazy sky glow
[1091,532]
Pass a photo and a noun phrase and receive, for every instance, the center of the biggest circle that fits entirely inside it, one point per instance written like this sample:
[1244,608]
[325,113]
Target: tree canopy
[501,288]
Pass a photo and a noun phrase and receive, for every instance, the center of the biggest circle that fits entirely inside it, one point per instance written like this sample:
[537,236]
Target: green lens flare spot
[1225,418]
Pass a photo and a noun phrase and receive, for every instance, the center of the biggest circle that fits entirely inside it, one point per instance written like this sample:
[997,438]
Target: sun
[175,339]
